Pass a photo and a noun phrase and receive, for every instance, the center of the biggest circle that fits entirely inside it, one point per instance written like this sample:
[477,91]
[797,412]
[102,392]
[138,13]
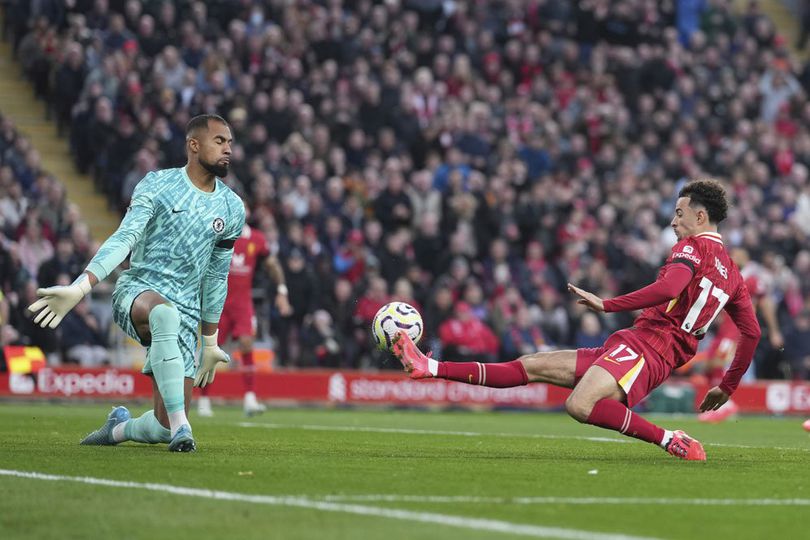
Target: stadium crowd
[467,157]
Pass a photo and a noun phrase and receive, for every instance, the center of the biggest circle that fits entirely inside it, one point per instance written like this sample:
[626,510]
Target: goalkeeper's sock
[145,429]
[611,414]
[503,375]
[167,362]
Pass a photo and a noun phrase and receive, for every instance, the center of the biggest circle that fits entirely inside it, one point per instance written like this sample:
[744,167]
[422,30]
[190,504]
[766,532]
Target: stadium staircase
[17,102]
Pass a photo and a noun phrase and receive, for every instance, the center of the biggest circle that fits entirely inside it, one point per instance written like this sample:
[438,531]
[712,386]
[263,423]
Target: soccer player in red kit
[724,345]
[697,281]
[238,320]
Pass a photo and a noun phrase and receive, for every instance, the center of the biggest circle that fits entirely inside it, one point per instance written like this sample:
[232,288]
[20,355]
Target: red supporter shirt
[697,281]
[249,249]
[472,334]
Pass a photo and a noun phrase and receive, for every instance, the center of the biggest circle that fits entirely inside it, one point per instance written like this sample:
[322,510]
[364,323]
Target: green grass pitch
[390,474]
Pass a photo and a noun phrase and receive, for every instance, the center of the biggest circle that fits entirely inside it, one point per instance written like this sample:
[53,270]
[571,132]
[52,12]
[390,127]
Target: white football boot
[252,406]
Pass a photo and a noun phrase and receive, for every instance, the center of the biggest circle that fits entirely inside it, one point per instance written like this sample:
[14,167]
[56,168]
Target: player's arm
[742,313]
[276,272]
[214,291]
[672,281]
[55,302]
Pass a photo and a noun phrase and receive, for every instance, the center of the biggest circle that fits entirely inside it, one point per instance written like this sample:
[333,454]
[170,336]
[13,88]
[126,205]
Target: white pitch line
[462,522]
[595,501]
[369,429]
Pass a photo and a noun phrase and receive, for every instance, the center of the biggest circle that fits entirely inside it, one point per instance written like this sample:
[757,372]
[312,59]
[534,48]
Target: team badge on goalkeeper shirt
[218,225]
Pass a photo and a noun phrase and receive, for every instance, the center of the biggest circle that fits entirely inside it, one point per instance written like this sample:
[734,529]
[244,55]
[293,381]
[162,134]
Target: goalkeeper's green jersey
[181,241]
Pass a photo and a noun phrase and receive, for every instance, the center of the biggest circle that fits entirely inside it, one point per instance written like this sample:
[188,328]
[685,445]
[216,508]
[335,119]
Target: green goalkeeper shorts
[122,300]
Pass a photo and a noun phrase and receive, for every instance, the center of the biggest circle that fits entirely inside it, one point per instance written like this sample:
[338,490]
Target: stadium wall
[326,387]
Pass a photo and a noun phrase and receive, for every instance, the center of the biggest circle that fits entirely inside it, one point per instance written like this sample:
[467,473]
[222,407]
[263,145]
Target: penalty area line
[462,522]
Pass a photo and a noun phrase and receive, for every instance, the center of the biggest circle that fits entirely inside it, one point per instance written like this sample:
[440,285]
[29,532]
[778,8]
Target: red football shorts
[636,366]
[237,320]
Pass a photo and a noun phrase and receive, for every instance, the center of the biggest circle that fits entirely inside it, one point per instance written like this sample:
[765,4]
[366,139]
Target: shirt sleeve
[116,248]
[686,253]
[215,281]
[673,280]
[741,311]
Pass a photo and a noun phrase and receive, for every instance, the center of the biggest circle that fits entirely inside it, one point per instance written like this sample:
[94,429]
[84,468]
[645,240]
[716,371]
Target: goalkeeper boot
[252,406]
[412,359]
[685,447]
[104,435]
[183,440]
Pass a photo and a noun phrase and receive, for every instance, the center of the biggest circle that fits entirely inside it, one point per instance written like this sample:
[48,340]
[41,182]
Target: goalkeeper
[180,229]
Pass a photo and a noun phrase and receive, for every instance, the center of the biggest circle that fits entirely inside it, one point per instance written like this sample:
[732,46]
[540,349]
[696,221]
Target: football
[393,317]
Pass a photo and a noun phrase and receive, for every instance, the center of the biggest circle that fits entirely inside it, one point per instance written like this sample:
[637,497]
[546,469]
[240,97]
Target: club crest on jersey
[688,249]
[218,224]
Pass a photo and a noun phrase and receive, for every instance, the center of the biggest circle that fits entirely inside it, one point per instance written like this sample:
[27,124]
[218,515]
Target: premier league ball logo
[218,225]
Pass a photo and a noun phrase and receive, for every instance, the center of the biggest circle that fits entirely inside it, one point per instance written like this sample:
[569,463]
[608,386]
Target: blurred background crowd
[470,158]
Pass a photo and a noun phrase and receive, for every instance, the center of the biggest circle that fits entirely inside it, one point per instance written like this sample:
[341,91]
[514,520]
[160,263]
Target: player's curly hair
[709,194]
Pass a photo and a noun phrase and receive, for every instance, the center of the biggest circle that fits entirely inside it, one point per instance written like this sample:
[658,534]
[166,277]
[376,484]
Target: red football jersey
[249,248]
[716,285]
[727,329]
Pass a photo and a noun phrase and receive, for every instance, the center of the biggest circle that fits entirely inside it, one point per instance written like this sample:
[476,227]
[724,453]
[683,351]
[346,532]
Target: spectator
[303,291]
[464,338]
[590,333]
[34,247]
[323,344]
[521,337]
[64,262]
[797,346]
[564,137]
[83,337]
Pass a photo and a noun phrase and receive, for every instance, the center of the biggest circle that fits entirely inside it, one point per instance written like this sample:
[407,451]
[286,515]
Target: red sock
[611,414]
[248,371]
[204,391]
[504,375]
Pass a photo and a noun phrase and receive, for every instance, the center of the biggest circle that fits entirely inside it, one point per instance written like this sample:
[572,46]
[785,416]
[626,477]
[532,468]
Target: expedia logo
[218,225]
[688,256]
[68,384]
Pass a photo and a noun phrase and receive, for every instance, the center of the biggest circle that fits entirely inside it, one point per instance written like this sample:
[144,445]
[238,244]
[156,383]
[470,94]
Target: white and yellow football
[393,317]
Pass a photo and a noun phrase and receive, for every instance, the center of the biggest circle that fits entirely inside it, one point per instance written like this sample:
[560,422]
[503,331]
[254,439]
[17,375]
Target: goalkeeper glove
[211,355]
[55,302]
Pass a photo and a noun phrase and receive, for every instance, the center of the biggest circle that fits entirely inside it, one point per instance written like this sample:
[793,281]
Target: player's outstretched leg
[104,434]
[166,361]
[597,400]
[421,366]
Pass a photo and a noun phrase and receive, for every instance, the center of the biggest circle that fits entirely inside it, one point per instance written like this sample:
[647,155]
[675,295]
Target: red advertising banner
[355,387]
